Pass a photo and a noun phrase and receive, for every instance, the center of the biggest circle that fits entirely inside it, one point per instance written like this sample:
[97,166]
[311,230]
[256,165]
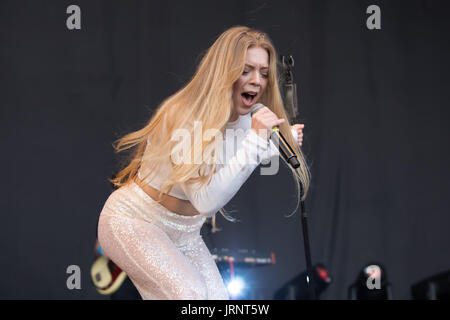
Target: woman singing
[150,226]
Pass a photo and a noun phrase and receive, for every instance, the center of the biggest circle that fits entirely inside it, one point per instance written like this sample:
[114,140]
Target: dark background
[374,102]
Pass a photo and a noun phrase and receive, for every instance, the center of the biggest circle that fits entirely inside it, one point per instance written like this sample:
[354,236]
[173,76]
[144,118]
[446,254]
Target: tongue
[247,99]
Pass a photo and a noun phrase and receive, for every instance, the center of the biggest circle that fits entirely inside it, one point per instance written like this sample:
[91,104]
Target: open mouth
[249,98]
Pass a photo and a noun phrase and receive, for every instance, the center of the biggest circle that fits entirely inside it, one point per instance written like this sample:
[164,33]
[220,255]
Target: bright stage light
[236,286]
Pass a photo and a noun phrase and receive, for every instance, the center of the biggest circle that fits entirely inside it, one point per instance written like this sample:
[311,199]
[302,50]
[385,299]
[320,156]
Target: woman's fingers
[299,129]
[264,120]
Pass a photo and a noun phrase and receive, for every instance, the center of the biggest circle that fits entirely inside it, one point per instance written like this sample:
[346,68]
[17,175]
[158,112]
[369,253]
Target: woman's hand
[263,121]
[299,129]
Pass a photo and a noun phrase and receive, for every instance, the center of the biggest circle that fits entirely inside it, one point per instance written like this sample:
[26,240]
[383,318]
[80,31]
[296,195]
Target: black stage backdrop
[374,103]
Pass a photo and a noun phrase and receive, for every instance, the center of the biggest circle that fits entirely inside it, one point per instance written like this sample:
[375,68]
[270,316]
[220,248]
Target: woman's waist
[173,204]
[132,201]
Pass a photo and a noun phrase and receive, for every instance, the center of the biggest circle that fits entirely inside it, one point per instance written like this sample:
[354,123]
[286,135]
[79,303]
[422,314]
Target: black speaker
[371,284]
[436,287]
[297,288]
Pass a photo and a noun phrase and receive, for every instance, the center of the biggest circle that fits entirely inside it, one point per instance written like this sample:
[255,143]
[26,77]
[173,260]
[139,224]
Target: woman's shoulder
[243,122]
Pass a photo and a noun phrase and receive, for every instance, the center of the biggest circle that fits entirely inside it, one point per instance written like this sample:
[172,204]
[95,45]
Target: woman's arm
[230,176]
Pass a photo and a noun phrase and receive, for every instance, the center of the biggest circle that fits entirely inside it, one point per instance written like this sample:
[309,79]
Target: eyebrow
[249,65]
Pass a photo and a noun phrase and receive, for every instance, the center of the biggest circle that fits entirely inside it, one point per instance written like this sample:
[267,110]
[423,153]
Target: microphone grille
[255,108]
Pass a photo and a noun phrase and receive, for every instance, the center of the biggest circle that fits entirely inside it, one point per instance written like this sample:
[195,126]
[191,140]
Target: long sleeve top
[243,151]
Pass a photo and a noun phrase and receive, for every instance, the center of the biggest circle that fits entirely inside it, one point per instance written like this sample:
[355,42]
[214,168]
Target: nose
[256,79]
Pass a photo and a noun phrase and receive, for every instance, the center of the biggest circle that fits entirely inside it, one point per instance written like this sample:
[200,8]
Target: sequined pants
[162,252]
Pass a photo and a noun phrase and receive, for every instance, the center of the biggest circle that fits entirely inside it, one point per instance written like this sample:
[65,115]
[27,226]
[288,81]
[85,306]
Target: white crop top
[239,159]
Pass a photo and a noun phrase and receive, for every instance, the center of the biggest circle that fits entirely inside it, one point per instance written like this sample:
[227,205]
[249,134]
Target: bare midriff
[176,205]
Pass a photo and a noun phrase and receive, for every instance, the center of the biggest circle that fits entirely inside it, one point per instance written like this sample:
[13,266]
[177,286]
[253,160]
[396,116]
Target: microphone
[278,139]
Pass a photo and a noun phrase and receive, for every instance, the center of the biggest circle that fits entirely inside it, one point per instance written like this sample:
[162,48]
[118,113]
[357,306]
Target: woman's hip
[131,202]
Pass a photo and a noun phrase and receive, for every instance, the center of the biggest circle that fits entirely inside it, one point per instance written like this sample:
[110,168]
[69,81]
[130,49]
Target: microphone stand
[292,108]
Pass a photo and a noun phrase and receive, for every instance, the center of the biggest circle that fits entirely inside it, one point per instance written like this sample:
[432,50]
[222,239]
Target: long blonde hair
[207,97]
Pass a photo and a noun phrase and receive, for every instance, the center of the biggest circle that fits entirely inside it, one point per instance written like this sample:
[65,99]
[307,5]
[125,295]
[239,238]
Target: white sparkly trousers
[162,252]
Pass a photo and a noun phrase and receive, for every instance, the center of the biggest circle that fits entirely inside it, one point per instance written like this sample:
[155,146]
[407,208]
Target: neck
[234,116]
